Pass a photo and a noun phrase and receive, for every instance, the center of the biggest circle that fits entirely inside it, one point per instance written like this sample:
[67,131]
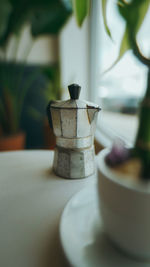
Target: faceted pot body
[74,130]
[74,164]
[73,123]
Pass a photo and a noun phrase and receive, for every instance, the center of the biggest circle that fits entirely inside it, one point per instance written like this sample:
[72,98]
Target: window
[119,90]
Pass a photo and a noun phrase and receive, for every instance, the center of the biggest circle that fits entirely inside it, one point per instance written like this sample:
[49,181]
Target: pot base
[74,163]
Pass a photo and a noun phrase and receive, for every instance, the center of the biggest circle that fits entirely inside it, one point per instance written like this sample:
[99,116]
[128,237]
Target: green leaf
[124,47]
[5,10]
[49,20]
[25,87]
[35,113]
[104,9]
[143,8]
[81,10]
[46,16]
[133,13]
[2,113]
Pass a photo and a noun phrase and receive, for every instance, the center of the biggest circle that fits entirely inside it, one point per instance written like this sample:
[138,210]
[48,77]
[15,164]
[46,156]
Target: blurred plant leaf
[143,8]
[46,16]
[49,20]
[124,47]
[5,10]
[3,118]
[133,13]
[67,4]
[18,16]
[104,5]
[25,87]
[81,10]
[35,113]
[52,90]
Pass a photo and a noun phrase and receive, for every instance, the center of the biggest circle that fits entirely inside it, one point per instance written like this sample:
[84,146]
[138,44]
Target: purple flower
[118,154]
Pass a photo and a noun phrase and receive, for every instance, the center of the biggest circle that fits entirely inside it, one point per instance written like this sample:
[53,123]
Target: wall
[74,57]
[73,53]
[42,50]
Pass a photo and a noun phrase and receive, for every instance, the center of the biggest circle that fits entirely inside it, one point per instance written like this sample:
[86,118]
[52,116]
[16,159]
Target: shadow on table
[49,172]
[52,253]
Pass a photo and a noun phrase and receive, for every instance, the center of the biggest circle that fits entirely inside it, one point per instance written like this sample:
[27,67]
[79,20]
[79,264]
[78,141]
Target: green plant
[133,12]
[13,90]
[44,17]
[52,90]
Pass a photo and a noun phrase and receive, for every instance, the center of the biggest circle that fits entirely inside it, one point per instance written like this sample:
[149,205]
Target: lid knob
[74,90]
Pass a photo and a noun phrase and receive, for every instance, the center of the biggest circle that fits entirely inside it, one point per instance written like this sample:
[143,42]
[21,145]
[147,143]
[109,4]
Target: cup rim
[125,181]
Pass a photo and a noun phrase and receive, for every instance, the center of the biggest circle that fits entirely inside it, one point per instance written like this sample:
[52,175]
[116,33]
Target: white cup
[125,210]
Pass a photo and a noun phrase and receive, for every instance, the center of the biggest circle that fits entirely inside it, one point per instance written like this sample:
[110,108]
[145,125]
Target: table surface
[32,199]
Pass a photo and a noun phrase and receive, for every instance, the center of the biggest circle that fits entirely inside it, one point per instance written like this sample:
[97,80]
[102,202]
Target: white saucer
[82,236]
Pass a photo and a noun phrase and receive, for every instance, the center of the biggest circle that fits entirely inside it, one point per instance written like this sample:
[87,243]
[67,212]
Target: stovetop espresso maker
[73,123]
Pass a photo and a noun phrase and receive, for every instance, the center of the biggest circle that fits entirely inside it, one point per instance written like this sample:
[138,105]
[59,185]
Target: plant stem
[142,146]
[140,56]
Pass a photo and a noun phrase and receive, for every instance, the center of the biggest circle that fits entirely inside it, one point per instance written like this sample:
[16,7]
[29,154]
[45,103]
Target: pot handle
[49,115]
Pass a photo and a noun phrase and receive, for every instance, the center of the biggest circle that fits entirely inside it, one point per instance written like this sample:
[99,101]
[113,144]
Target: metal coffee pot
[73,122]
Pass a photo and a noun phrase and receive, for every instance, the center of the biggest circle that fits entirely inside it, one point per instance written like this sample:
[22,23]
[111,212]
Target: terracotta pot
[12,142]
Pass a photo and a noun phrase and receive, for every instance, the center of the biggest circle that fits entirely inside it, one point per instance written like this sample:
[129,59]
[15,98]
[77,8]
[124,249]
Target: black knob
[74,90]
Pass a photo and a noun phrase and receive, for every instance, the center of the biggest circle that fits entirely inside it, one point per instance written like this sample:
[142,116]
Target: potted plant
[12,93]
[52,91]
[45,18]
[123,183]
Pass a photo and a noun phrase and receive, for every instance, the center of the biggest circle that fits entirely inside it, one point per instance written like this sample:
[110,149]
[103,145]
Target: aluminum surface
[74,164]
[74,123]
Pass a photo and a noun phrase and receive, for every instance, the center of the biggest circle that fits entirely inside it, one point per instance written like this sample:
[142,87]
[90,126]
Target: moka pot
[73,122]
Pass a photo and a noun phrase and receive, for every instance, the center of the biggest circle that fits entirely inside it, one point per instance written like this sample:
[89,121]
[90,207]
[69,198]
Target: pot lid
[74,102]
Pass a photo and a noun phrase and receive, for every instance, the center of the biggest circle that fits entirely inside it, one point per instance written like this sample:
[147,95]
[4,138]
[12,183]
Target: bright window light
[119,90]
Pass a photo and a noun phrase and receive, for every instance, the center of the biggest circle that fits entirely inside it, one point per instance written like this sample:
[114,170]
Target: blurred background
[29,69]
[42,51]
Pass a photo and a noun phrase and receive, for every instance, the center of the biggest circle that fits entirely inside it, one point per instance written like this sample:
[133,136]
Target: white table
[32,199]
